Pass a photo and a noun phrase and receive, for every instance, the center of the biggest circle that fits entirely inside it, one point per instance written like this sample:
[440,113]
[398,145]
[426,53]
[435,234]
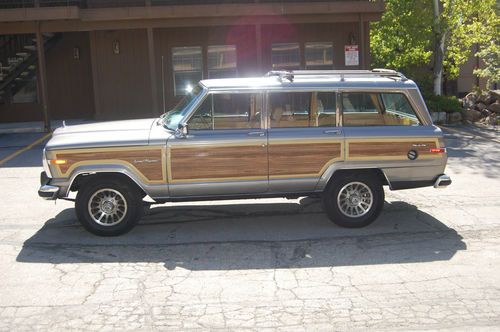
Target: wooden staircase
[18,62]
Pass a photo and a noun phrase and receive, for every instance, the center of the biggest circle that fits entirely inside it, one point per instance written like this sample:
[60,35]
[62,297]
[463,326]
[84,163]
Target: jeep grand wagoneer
[341,135]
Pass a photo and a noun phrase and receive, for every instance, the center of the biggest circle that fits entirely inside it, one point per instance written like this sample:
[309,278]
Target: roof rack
[378,72]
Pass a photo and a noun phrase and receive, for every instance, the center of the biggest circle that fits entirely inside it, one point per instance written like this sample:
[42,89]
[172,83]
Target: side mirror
[182,130]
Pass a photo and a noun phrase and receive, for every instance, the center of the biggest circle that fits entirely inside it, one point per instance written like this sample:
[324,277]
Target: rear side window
[378,109]
[302,109]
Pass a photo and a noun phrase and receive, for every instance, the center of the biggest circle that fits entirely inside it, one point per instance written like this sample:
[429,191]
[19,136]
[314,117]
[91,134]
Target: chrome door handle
[256,133]
[333,132]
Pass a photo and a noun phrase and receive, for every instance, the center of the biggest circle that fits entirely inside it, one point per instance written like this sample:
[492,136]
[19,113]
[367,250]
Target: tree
[418,33]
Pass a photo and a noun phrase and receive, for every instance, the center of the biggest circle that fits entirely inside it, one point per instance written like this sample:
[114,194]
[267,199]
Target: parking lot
[431,261]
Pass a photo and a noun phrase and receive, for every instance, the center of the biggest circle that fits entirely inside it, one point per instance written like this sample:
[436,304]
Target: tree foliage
[407,35]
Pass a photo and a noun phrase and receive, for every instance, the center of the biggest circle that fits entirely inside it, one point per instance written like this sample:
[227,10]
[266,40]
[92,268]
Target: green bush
[443,104]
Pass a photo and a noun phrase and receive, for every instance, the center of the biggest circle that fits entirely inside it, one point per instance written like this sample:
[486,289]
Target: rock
[472,115]
[454,117]
[480,106]
[491,98]
[493,119]
[495,93]
[470,100]
[438,117]
[495,107]
[482,98]
[485,113]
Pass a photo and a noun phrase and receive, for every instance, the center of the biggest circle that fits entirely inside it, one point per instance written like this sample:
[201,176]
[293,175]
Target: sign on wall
[351,55]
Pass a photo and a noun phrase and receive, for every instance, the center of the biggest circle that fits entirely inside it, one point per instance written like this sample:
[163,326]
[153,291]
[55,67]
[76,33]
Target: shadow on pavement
[249,236]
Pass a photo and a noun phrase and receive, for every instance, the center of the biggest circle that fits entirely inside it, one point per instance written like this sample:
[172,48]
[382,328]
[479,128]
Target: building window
[187,66]
[285,56]
[222,61]
[319,55]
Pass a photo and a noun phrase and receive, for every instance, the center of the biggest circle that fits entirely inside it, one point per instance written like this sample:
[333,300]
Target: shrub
[443,104]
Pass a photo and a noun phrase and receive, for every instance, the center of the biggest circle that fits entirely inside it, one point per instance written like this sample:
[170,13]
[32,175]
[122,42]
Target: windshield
[172,118]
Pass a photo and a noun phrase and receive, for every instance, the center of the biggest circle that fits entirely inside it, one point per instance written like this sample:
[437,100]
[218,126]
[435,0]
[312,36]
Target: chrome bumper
[442,181]
[48,192]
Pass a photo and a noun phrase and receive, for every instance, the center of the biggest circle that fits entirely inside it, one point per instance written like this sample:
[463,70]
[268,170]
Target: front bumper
[46,190]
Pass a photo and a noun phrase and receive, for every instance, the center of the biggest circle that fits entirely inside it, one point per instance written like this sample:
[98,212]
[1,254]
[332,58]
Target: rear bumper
[46,190]
[442,181]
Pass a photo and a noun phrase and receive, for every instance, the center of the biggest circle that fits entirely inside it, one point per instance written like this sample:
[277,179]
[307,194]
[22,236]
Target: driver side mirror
[182,130]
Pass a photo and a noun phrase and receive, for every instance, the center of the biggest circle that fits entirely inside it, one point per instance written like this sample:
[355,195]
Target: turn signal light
[438,150]
[57,162]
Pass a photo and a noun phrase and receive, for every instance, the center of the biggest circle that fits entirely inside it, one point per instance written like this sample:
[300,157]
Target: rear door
[304,138]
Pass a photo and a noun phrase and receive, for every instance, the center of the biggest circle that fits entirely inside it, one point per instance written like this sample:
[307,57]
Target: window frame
[405,93]
[299,63]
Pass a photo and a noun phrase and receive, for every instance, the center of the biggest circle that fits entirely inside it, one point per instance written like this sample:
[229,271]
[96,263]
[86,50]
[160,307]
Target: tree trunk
[439,41]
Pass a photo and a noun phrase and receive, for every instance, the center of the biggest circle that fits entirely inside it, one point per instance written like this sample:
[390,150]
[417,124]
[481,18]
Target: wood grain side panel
[151,170]
[188,163]
[389,149]
[294,159]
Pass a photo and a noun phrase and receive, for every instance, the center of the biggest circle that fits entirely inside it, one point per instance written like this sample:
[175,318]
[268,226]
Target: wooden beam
[362,47]
[152,71]
[95,74]
[258,42]
[42,72]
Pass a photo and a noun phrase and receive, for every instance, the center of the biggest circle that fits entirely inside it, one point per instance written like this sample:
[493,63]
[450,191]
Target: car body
[288,134]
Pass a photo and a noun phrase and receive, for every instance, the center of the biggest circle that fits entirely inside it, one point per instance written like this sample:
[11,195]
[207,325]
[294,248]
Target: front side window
[377,109]
[228,111]
[188,69]
[222,61]
[285,56]
[319,55]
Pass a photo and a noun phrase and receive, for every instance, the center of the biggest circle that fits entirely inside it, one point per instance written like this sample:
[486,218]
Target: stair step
[30,47]
[23,54]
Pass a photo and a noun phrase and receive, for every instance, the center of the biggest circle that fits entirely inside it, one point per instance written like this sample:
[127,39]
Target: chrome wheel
[355,199]
[107,207]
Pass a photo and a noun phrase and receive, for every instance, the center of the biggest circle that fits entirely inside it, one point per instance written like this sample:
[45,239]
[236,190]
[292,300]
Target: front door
[225,151]
[304,139]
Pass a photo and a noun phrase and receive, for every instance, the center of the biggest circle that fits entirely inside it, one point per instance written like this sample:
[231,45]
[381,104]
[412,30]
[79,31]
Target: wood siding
[69,80]
[123,79]
[297,159]
[392,150]
[230,162]
[148,161]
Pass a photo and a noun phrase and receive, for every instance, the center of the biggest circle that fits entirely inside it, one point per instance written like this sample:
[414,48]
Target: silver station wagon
[338,135]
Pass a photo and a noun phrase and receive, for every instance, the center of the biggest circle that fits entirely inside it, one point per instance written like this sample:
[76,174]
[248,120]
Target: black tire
[361,181]
[130,210]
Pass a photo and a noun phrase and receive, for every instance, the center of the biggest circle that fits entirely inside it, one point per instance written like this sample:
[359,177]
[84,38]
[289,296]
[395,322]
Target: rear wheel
[354,201]
[108,207]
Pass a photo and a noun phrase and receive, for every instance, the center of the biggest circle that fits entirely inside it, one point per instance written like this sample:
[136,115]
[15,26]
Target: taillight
[438,150]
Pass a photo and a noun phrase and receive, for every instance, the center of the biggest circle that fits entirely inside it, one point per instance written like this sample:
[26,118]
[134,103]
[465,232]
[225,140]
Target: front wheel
[354,201]
[108,208]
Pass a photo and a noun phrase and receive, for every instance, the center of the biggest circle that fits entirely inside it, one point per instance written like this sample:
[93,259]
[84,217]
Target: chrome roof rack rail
[290,75]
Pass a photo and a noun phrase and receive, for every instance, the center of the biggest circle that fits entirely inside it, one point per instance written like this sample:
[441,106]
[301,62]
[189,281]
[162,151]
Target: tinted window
[289,109]
[228,111]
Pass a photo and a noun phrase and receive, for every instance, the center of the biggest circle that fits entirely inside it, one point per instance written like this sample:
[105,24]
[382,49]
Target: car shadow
[250,235]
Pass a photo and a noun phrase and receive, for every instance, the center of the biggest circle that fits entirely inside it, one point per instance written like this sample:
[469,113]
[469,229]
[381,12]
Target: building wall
[69,79]
[122,80]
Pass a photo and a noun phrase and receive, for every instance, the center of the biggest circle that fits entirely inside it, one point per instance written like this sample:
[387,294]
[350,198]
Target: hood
[112,133]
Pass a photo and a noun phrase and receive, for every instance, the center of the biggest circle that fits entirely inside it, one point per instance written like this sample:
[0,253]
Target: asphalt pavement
[429,262]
